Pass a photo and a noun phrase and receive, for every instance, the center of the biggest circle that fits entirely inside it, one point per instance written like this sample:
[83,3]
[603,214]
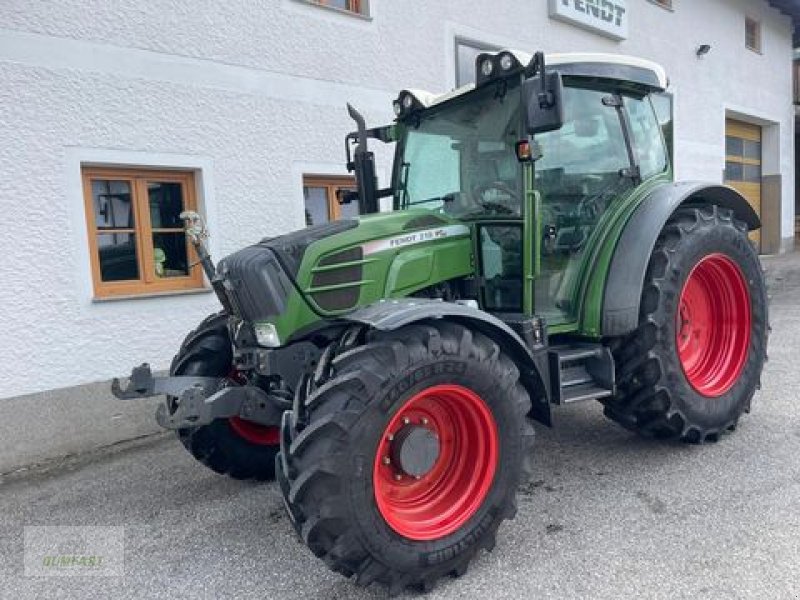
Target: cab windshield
[461,159]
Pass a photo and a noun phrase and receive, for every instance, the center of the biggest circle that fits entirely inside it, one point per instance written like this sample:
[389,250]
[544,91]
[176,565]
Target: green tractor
[386,369]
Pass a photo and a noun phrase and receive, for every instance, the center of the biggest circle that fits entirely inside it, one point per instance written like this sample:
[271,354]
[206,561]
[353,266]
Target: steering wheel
[589,207]
[508,207]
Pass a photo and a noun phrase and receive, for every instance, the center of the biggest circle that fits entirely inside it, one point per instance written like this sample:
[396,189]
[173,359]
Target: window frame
[474,44]
[357,8]
[665,4]
[147,283]
[759,40]
[331,183]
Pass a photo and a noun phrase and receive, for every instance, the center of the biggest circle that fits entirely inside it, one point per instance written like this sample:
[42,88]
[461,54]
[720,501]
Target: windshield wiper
[443,199]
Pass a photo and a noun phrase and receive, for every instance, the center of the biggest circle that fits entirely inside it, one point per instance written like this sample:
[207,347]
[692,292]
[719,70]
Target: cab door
[576,178]
[609,143]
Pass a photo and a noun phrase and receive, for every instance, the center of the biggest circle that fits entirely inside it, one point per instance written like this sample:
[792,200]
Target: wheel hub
[414,450]
[713,325]
[435,462]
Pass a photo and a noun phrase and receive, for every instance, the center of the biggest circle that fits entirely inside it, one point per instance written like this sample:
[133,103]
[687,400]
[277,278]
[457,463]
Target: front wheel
[238,448]
[403,453]
[691,368]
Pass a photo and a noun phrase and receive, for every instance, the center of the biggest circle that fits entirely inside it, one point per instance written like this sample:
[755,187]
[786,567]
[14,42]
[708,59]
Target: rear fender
[623,287]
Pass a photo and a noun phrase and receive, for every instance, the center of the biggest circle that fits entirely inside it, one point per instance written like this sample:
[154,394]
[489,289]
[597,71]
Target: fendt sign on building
[607,17]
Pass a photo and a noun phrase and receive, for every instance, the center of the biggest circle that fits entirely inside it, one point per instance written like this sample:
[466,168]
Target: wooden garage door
[743,163]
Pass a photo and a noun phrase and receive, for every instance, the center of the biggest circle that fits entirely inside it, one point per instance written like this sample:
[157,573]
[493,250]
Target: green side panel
[413,269]
[408,271]
[387,255]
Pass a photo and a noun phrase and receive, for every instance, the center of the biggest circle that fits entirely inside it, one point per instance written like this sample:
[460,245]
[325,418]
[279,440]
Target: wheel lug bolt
[406,420]
[397,477]
[387,460]
[424,420]
[390,437]
[417,477]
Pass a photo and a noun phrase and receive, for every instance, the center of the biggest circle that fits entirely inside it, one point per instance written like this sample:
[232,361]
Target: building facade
[118,115]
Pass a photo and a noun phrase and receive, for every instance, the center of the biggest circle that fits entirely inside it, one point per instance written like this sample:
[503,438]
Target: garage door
[743,163]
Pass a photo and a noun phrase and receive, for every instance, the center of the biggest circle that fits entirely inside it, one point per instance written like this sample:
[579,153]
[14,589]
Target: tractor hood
[382,255]
[339,266]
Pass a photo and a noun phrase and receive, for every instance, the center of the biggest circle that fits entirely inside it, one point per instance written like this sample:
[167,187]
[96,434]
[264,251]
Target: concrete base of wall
[787,245]
[58,423]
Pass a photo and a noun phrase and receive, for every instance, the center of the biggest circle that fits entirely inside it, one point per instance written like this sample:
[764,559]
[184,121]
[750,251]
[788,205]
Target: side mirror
[542,95]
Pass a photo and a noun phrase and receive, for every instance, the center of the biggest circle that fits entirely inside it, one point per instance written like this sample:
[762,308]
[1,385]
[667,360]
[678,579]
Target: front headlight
[266,334]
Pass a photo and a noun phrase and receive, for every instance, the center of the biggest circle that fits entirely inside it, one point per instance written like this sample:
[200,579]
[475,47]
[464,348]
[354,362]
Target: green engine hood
[340,266]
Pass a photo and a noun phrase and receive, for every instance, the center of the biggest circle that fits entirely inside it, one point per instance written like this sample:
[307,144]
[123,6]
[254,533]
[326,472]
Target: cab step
[581,372]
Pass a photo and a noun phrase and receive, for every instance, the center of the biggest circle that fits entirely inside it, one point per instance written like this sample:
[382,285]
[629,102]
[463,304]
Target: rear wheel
[691,368]
[403,453]
[235,447]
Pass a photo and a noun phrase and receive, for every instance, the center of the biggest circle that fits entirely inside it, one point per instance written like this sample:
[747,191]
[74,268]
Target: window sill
[190,292]
[334,9]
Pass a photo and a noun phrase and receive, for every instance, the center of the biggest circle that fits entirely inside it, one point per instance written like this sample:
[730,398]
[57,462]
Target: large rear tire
[691,368]
[234,447]
[403,453]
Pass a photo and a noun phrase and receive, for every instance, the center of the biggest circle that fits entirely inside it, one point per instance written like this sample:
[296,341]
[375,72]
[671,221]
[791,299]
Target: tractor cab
[538,160]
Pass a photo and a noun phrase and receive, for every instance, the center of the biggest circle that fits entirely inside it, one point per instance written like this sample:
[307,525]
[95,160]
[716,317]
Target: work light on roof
[493,66]
[407,103]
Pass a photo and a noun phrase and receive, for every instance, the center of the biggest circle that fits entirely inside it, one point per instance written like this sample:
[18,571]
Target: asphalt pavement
[606,515]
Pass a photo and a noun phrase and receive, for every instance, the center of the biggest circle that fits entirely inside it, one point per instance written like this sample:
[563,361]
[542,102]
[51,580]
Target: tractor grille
[255,283]
[336,289]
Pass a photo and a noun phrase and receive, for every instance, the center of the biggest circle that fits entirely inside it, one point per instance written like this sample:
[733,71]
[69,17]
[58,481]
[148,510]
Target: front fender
[392,314]
[623,288]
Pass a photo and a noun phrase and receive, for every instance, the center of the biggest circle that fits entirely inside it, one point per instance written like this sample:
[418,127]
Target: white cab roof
[571,64]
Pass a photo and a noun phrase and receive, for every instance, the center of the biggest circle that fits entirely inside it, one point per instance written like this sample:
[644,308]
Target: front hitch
[194,401]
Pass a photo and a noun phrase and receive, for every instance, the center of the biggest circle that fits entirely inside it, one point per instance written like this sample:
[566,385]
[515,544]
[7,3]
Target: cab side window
[590,144]
[647,138]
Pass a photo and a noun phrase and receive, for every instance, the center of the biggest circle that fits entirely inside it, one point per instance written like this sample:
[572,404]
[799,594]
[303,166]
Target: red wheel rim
[255,433]
[443,499]
[713,325]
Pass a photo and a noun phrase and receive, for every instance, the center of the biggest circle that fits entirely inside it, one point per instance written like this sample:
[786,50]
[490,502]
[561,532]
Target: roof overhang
[790,8]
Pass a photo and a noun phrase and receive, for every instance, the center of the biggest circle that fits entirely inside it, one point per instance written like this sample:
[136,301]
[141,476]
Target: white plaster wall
[251,94]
